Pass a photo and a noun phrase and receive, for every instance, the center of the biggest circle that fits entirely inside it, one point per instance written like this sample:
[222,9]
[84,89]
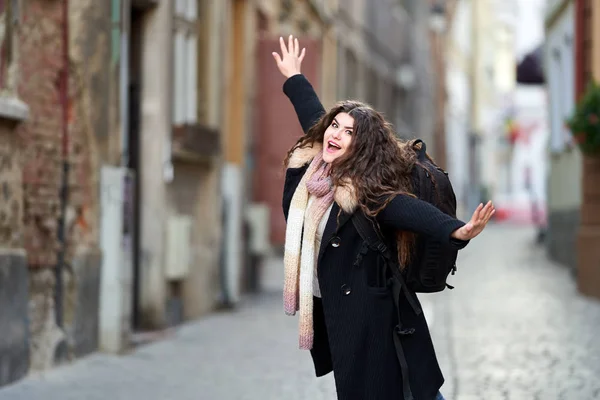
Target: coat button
[346,289]
[335,241]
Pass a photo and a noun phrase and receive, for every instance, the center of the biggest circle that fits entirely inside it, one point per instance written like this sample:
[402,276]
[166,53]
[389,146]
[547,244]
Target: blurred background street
[141,150]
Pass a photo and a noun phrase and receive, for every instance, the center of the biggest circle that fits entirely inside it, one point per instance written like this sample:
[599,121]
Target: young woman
[349,160]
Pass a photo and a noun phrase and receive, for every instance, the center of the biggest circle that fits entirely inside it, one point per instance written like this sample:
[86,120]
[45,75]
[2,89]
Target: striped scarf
[299,258]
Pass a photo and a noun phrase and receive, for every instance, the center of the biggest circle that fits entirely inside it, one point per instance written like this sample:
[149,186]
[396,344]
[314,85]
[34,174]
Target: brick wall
[39,83]
[40,51]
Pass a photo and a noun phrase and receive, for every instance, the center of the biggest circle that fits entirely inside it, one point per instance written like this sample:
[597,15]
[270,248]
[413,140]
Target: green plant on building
[584,123]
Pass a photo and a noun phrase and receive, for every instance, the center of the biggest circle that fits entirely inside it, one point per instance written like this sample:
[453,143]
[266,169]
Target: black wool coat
[355,318]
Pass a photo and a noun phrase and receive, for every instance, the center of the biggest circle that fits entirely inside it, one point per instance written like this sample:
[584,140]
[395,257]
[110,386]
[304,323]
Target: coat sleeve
[304,99]
[407,213]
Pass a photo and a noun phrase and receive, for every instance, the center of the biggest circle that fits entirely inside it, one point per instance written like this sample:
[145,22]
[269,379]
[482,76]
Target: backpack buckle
[404,331]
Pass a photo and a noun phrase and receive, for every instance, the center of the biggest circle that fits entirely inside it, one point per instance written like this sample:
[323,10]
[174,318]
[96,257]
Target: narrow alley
[514,328]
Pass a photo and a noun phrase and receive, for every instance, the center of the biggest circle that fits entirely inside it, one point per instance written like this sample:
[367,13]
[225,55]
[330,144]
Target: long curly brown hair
[377,163]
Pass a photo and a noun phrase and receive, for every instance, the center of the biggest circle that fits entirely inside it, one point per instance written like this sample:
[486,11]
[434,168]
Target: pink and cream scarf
[302,224]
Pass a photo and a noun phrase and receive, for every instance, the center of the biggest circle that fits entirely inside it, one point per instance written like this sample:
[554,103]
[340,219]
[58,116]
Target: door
[134,161]
[276,126]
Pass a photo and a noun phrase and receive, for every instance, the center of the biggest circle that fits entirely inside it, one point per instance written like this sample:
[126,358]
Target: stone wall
[40,150]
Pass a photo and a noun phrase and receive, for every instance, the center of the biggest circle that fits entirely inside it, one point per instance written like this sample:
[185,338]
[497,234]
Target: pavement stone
[514,328]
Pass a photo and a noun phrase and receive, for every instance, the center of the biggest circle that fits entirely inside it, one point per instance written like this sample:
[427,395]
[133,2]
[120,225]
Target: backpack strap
[370,234]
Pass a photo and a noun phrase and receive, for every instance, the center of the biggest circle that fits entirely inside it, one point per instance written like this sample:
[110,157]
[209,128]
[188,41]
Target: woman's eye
[349,132]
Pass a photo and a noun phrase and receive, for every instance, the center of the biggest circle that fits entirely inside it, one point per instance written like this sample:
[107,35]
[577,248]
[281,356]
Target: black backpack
[431,262]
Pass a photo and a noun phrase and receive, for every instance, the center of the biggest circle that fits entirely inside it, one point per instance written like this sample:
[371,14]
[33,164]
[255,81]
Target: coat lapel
[332,227]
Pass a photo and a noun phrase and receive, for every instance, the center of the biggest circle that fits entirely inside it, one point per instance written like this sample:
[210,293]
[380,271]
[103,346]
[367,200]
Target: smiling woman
[349,165]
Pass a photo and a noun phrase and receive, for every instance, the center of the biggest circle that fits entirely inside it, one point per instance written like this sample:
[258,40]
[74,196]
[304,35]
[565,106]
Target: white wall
[155,129]
[457,131]
[458,106]
[560,65]
[564,187]
[116,273]
[462,27]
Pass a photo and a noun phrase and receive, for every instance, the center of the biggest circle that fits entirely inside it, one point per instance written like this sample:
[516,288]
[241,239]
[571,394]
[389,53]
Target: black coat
[355,318]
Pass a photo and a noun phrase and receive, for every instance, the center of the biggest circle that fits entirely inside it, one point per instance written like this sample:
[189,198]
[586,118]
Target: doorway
[133,154]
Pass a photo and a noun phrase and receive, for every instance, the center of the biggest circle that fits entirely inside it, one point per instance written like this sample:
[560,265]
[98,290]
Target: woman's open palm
[478,221]
[290,61]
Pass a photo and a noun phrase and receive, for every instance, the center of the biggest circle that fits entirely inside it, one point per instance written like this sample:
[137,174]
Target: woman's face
[338,137]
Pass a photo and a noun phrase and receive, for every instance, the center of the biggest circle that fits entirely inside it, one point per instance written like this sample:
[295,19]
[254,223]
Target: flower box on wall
[584,123]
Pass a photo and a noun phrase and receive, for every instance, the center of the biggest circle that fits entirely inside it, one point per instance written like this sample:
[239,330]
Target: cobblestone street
[514,328]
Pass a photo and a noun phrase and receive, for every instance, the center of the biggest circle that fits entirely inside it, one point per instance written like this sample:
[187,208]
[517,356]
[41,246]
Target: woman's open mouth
[332,147]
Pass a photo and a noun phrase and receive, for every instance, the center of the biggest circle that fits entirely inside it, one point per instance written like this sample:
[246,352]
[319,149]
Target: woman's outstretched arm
[298,89]
[411,214]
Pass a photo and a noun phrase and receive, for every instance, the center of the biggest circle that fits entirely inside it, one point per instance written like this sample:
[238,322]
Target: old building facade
[14,294]
[111,219]
[395,76]
[55,100]
[173,149]
[588,69]
[564,188]
[572,60]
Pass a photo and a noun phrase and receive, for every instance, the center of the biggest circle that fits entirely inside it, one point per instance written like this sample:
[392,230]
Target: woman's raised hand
[478,221]
[291,58]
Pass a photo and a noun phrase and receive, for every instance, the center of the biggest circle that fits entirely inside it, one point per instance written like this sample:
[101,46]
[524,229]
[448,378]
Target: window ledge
[13,109]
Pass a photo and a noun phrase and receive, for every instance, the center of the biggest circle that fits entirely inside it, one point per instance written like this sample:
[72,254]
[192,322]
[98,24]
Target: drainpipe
[64,189]
[124,82]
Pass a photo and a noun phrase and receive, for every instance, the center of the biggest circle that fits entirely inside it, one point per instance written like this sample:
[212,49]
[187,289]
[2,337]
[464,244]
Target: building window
[557,140]
[8,24]
[185,62]
[562,92]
